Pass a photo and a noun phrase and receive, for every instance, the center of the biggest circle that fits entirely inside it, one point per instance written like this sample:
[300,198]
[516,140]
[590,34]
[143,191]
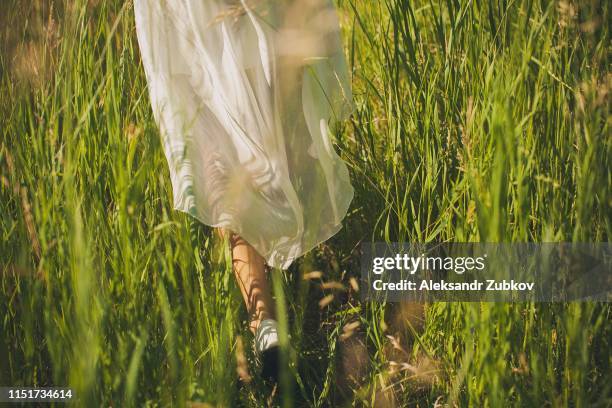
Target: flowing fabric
[244,94]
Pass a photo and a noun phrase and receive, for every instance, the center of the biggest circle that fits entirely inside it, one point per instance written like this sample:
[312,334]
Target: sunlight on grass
[475,121]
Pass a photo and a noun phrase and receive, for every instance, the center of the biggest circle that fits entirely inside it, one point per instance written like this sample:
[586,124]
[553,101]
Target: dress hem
[267,257]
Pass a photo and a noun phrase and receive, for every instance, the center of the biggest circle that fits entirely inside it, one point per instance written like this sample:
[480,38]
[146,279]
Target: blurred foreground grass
[476,121]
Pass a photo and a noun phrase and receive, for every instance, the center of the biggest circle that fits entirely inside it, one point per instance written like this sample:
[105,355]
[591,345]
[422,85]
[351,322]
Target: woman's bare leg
[250,271]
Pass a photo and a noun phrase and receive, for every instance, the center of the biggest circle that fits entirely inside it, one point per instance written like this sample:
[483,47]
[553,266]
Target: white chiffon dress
[244,94]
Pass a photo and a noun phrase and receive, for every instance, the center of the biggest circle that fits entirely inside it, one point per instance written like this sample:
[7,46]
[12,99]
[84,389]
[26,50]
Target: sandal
[267,350]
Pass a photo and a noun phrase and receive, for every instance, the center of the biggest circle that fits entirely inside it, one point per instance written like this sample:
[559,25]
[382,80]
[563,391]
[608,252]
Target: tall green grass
[475,121]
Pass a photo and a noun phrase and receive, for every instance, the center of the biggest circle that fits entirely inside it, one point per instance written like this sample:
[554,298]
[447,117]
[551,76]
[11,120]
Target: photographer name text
[431,285]
[458,265]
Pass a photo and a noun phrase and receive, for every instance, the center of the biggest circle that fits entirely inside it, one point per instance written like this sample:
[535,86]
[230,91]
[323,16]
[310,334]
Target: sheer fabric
[244,93]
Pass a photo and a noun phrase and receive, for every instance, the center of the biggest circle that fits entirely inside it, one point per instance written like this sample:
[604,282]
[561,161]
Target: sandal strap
[266,335]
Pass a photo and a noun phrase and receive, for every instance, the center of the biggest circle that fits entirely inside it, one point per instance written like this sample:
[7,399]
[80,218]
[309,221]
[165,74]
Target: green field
[475,120]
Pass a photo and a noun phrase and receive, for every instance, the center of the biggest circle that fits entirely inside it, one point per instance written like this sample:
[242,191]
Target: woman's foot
[251,273]
[267,348]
